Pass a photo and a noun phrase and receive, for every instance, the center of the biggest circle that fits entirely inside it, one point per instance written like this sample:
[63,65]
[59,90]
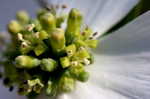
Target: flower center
[45,56]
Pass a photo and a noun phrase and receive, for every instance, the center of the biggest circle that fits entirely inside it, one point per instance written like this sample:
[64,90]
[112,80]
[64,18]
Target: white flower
[121,69]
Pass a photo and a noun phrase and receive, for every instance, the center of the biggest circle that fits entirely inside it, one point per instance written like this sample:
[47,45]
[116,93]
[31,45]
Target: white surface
[122,65]
[101,15]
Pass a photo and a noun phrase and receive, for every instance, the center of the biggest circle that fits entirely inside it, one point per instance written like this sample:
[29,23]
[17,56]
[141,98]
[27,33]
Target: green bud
[86,33]
[60,20]
[70,50]
[79,73]
[36,85]
[40,49]
[82,54]
[83,76]
[22,17]
[32,39]
[41,12]
[80,43]
[49,88]
[92,43]
[37,24]
[14,27]
[76,70]
[43,35]
[66,84]
[25,48]
[48,22]
[73,25]
[57,40]
[48,65]
[28,62]
[65,62]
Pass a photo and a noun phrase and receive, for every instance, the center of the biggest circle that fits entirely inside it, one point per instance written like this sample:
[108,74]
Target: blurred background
[8,9]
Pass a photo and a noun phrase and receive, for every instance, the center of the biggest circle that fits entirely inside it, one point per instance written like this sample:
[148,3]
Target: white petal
[133,38]
[91,91]
[101,15]
[126,75]
[123,70]
[124,65]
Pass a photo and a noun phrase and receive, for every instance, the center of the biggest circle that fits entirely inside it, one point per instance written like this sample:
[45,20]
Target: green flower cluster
[45,57]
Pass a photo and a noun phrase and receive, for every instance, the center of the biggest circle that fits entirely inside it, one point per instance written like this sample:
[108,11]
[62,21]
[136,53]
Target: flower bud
[70,50]
[37,24]
[76,70]
[83,76]
[86,33]
[65,62]
[82,54]
[48,21]
[79,73]
[28,62]
[66,84]
[41,12]
[22,17]
[36,85]
[25,48]
[49,88]
[73,25]
[57,40]
[14,27]
[92,43]
[40,49]
[80,43]
[48,65]
[60,20]
[43,35]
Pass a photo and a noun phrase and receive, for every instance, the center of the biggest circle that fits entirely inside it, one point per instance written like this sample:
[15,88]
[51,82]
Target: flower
[114,75]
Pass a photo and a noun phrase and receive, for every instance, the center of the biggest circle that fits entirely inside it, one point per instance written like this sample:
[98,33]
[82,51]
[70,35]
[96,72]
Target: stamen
[86,61]
[20,37]
[94,34]
[64,6]
[83,33]
[90,38]
[74,63]
[37,34]
[24,44]
[81,48]
[69,53]
[30,27]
